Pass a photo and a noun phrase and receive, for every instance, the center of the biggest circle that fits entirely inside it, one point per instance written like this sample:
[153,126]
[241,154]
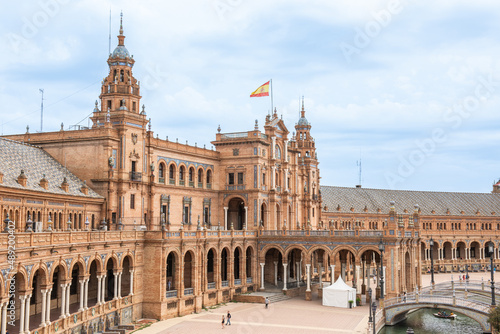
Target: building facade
[112,224]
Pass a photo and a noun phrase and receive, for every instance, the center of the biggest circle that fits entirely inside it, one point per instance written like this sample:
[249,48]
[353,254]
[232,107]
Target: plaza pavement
[293,316]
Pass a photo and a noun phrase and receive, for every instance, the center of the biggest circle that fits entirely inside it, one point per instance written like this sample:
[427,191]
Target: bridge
[471,298]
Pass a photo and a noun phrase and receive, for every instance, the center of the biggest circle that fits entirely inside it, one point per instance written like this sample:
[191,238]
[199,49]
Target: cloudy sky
[409,87]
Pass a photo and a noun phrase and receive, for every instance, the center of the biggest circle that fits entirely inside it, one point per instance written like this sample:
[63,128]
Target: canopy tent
[339,294]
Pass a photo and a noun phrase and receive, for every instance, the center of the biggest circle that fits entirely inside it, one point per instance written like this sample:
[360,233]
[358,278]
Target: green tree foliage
[494,319]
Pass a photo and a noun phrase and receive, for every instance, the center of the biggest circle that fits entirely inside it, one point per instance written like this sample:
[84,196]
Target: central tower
[120,91]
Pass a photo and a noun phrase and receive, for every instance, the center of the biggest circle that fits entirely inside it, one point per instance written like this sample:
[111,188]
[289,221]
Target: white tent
[338,294]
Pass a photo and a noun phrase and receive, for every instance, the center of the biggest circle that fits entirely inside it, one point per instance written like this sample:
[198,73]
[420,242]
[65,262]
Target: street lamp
[431,243]
[381,247]
[370,303]
[374,308]
[491,249]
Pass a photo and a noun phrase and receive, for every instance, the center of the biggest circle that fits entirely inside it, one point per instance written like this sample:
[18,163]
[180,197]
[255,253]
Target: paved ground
[294,316]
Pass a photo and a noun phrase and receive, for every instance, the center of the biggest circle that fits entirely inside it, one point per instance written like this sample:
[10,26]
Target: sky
[409,88]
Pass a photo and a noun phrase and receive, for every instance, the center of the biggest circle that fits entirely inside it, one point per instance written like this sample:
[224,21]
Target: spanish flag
[261,91]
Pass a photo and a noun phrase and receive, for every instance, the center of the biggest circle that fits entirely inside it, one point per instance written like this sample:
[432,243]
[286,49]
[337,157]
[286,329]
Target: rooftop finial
[121,23]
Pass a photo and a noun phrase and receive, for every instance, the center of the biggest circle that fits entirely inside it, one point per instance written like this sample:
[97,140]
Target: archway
[93,283]
[236,265]
[273,269]
[126,288]
[211,269]
[249,260]
[408,272]
[224,267]
[236,214]
[294,268]
[189,273]
[370,260]
[171,272]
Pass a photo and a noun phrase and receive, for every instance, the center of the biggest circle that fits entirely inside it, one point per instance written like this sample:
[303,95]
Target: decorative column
[225,217]
[82,293]
[63,301]
[47,309]
[103,289]
[27,315]
[86,294]
[246,218]
[320,276]
[332,276]
[120,285]
[285,275]
[262,275]
[131,293]
[308,272]
[99,278]
[44,307]
[67,299]
[297,273]
[4,318]
[115,286]
[276,273]
[21,318]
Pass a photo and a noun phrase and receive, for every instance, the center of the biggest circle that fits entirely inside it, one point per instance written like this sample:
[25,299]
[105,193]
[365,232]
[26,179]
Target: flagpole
[272,105]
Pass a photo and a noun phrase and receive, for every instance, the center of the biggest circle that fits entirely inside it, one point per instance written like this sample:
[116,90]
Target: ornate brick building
[129,226]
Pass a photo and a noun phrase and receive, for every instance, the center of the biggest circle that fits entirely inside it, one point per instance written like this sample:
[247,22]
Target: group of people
[226,321]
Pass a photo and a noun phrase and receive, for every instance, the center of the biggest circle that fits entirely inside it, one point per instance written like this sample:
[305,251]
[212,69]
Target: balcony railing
[171,294]
[249,280]
[211,286]
[161,180]
[191,184]
[188,291]
[135,176]
[200,184]
[209,186]
[225,283]
[171,181]
[237,281]
[182,182]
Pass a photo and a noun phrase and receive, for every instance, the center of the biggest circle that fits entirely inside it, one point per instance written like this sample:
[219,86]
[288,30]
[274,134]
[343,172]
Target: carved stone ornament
[134,138]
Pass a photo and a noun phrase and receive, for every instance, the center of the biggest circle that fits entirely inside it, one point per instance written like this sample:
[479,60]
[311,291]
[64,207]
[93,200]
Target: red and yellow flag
[261,91]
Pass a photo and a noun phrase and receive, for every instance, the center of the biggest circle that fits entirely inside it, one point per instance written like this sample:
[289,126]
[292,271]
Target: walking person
[223,320]
[228,317]
[267,302]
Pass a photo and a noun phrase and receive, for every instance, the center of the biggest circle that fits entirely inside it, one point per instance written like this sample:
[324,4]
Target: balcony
[191,184]
[135,176]
[171,181]
[182,182]
[171,294]
[161,180]
[225,283]
[209,186]
[200,184]
[188,291]
[211,285]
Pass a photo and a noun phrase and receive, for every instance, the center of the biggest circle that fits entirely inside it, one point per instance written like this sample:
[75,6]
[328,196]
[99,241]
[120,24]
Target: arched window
[200,178]
[191,174]
[161,173]
[181,175]
[277,153]
[121,76]
[209,177]
[171,174]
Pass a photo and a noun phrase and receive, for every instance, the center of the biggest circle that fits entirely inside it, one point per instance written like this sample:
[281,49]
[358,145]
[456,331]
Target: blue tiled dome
[120,52]
[303,121]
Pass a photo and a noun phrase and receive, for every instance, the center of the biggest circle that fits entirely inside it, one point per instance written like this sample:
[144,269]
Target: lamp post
[370,303]
[431,243]
[381,247]
[491,249]
[374,309]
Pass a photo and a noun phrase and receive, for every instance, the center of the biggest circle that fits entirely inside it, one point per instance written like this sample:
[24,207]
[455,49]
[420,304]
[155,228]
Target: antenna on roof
[109,44]
[41,111]
[358,163]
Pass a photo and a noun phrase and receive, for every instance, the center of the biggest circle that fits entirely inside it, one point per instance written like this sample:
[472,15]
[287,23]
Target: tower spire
[121,37]
[121,23]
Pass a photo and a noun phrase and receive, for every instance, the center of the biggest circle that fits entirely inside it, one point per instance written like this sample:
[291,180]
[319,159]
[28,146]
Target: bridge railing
[440,299]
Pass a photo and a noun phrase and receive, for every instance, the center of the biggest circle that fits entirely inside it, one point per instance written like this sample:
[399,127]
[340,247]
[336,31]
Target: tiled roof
[16,156]
[428,201]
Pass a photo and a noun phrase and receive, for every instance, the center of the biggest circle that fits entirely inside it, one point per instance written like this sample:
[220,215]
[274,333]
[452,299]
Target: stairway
[278,297]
